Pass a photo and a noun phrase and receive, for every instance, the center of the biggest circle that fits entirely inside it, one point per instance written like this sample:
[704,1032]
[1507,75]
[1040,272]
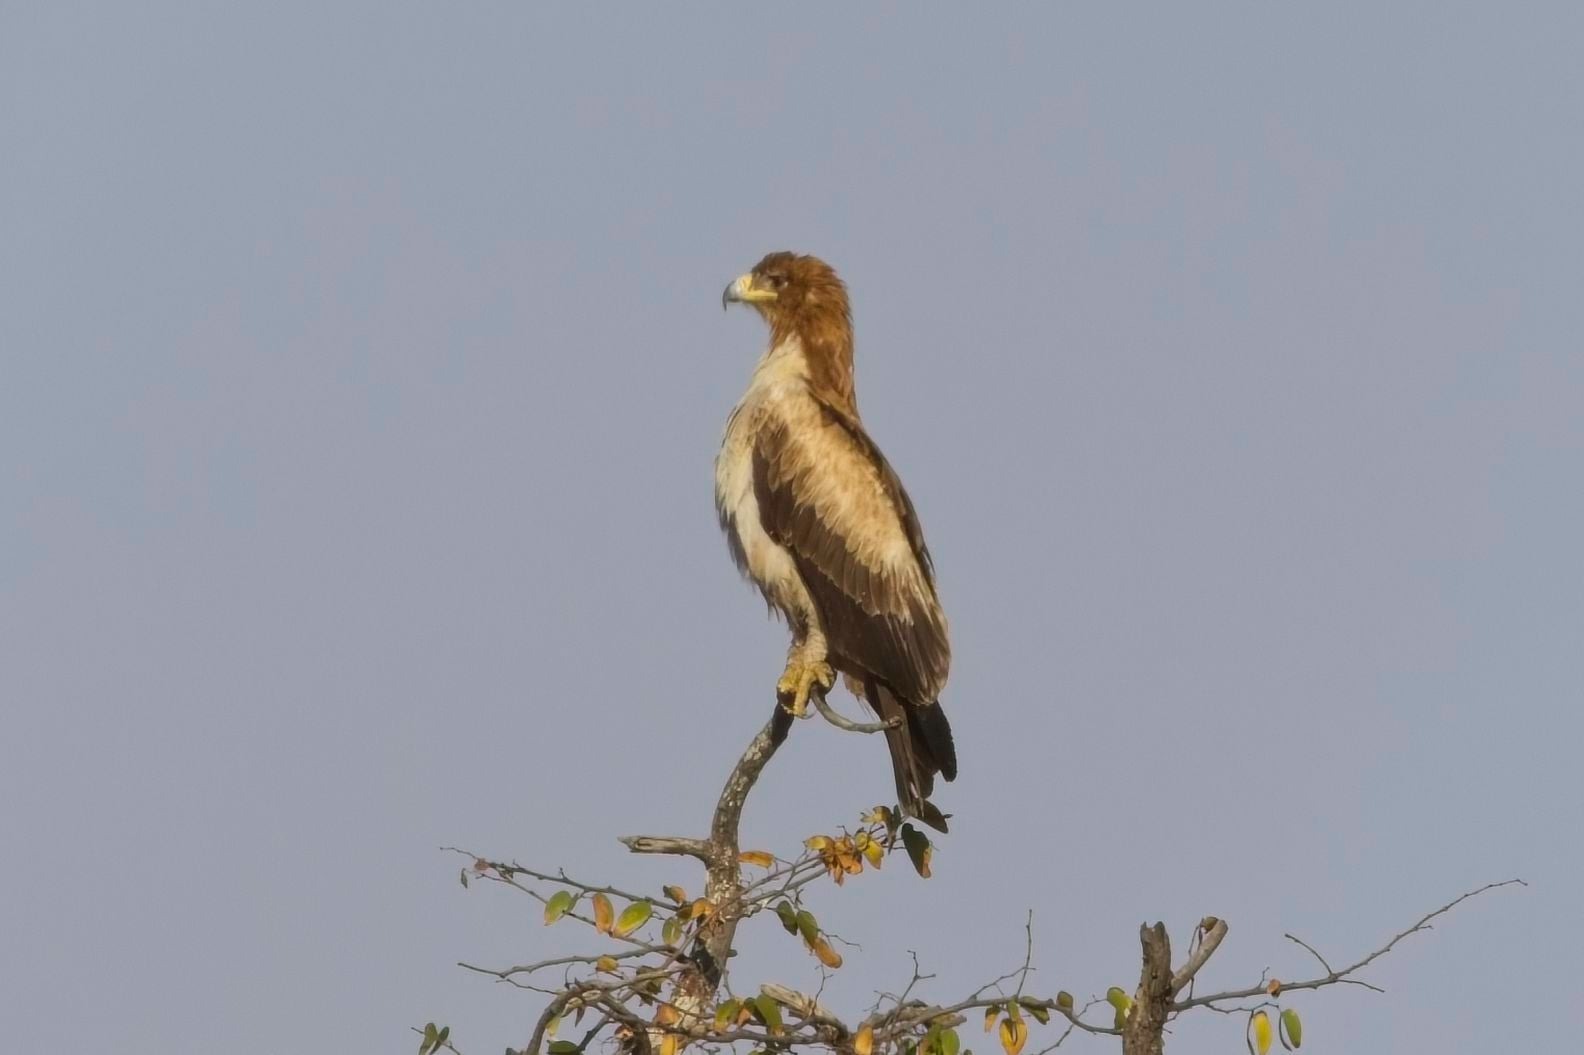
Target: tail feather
[921,746]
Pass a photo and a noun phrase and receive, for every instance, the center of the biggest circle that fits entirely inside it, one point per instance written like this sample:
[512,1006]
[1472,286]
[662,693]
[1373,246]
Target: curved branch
[840,721]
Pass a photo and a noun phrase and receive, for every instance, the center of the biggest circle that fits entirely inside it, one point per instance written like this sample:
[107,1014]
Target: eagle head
[790,291]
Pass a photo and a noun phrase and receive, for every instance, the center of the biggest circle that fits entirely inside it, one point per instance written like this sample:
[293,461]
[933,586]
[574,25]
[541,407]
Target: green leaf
[441,1037]
[559,904]
[1064,1000]
[563,1047]
[1117,997]
[671,932]
[463,877]
[788,916]
[426,1045]
[1291,1030]
[807,927]
[632,917]
[726,1014]
[769,1012]
[918,849]
[1041,1014]
[948,1044]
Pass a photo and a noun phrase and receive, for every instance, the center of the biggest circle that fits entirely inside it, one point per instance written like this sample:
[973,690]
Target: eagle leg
[803,675]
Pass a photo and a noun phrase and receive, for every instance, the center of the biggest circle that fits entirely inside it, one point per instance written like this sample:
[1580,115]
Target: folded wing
[826,494]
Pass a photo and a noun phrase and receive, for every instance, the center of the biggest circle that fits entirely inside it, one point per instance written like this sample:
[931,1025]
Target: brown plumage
[818,519]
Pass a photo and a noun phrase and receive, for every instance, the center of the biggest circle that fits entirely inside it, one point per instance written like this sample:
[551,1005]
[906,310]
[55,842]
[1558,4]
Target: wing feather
[826,494]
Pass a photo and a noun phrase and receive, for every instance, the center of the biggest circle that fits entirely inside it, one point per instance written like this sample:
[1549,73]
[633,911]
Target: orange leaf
[604,913]
[756,857]
[863,1041]
[827,955]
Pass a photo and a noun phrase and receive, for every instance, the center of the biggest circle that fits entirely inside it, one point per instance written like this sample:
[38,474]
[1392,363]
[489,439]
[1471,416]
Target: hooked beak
[743,291]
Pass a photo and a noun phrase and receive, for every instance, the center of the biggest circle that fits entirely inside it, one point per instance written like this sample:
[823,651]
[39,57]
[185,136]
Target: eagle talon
[799,681]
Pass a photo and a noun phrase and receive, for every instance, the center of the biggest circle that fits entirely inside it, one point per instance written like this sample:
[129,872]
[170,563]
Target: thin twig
[1312,952]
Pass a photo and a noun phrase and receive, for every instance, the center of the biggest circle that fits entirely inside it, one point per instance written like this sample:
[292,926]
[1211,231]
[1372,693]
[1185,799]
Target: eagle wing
[826,494]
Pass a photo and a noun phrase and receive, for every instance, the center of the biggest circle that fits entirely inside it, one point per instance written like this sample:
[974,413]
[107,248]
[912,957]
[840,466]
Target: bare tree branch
[666,844]
[1208,944]
[1332,977]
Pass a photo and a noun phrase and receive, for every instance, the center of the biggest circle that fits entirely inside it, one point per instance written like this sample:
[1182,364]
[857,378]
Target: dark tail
[921,746]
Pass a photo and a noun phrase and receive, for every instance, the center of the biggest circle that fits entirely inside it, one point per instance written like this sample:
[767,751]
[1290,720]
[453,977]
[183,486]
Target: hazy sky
[361,368]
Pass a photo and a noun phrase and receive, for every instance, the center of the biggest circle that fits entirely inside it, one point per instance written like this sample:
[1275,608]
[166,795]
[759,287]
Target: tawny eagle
[818,520]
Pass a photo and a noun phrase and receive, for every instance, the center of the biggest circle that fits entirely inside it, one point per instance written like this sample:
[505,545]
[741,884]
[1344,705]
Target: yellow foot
[799,680]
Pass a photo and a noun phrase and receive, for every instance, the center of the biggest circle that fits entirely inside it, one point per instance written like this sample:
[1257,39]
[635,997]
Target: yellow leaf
[1259,1033]
[756,857]
[819,843]
[606,964]
[632,917]
[668,1044]
[667,1015]
[990,1017]
[604,914]
[1117,997]
[1014,1034]
[874,853]
[675,893]
[863,1041]
[827,955]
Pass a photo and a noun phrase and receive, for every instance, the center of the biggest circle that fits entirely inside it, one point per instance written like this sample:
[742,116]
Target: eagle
[817,519]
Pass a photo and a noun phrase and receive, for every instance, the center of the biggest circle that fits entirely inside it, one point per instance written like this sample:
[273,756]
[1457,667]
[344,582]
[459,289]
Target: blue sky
[363,368]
